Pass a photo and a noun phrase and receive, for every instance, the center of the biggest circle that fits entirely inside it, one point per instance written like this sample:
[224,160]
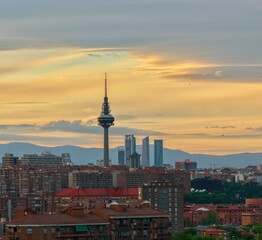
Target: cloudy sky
[186,71]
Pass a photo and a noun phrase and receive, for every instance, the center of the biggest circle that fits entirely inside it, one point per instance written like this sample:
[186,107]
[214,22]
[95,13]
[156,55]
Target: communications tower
[106,120]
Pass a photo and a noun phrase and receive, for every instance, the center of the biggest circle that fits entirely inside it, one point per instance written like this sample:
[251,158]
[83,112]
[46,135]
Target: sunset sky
[186,71]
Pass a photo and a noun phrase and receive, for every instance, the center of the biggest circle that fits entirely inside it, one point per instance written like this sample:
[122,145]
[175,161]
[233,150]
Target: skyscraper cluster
[130,157]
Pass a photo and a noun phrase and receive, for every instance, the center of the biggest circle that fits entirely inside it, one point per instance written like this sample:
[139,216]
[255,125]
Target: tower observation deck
[106,120]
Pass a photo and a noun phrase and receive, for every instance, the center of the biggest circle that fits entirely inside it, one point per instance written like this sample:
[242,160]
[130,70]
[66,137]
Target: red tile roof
[130,212]
[56,219]
[212,230]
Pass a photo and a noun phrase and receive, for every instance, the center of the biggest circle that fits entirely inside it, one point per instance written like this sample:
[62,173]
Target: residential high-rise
[46,159]
[121,157]
[106,120]
[130,147]
[9,159]
[158,152]
[145,152]
[167,197]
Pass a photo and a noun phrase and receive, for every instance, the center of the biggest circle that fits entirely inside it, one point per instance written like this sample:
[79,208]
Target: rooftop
[97,192]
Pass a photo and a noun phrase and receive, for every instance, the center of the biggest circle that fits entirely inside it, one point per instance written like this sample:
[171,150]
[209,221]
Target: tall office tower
[133,144]
[145,152]
[158,150]
[121,157]
[135,160]
[106,120]
[130,147]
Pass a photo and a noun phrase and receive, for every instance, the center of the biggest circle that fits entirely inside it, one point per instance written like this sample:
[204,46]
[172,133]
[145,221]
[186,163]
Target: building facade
[121,157]
[135,223]
[187,164]
[158,152]
[45,159]
[72,223]
[145,152]
[86,179]
[130,148]
[167,197]
[9,160]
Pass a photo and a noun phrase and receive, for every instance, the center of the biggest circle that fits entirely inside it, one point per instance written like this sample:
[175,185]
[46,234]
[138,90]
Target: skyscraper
[158,152]
[121,157]
[130,147]
[145,152]
[106,120]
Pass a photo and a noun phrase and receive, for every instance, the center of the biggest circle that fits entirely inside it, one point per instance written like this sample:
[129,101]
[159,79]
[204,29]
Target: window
[29,230]
[44,230]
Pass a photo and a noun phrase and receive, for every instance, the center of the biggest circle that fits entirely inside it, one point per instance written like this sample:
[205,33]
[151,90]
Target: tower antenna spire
[105,85]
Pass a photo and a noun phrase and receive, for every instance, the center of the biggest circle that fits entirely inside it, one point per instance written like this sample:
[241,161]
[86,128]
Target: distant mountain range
[81,155]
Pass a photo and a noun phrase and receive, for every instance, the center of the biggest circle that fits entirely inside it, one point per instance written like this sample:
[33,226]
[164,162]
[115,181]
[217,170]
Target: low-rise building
[214,232]
[136,223]
[91,197]
[113,221]
[252,218]
[72,223]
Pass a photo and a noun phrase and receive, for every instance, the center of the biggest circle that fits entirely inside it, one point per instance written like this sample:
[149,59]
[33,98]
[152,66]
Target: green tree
[257,229]
[181,236]
[247,236]
[190,231]
[210,219]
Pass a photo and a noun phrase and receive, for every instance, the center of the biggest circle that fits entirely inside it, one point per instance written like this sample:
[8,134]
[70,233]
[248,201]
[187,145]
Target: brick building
[167,197]
[135,223]
[72,223]
[89,179]
[113,221]
[91,197]
[141,176]
[214,232]
[226,214]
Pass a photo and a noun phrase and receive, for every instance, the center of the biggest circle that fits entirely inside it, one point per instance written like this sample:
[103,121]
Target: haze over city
[188,72]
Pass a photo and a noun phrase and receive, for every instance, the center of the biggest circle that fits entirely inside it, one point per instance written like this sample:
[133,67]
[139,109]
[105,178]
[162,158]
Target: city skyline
[190,75]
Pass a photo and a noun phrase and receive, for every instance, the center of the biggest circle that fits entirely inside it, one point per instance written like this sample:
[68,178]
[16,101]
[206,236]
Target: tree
[210,219]
[257,229]
[247,236]
[181,236]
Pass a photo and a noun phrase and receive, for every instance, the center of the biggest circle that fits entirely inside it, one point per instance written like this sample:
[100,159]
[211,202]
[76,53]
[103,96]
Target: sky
[185,71]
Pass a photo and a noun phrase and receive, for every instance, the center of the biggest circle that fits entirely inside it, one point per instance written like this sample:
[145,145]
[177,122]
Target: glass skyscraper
[145,152]
[158,152]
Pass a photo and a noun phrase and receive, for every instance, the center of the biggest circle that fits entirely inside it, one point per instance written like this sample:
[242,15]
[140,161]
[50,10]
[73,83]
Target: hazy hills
[81,155]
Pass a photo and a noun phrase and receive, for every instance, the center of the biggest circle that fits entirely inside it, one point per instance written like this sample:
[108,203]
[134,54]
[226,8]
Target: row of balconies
[87,234]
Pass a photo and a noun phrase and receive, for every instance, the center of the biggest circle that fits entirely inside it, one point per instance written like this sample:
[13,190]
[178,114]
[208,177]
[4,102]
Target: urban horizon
[190,76]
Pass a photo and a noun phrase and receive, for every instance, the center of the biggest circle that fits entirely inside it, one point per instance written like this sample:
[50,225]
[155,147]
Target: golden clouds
[192,104]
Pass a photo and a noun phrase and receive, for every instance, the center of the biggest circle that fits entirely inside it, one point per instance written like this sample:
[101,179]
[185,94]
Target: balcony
[163,225]
[142,238]
[123,227]
[163,236]
[75,234]
[122,238]
[141,226]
